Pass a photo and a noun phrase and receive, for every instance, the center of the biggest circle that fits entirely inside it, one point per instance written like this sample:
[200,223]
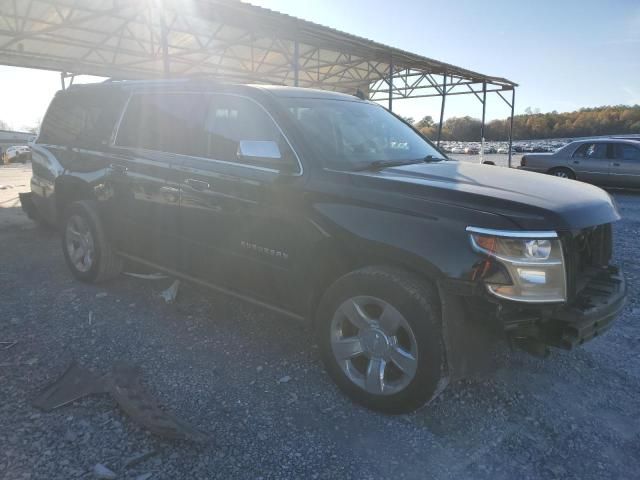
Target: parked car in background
[489,149]
[17,153]
[327,208]
[613,162]
[472,150]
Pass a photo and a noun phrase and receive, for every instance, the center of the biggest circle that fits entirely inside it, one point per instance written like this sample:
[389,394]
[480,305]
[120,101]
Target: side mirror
[259,151]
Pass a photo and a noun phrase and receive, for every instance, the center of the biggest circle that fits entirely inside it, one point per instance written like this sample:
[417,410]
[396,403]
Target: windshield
[354,135]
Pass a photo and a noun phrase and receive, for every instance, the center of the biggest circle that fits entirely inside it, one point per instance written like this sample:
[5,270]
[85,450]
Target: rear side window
[82,119]
[591,150]
[198,124]
[627,152]
[165,122]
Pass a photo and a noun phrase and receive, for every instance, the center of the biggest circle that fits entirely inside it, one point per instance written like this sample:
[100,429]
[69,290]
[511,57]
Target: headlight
[532,260]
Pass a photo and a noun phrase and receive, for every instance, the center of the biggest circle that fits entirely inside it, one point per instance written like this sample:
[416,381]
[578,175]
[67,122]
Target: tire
[82,228]
[374,291]
[562,172]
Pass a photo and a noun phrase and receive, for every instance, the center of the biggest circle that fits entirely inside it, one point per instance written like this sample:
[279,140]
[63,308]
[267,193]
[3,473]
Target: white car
[17,153]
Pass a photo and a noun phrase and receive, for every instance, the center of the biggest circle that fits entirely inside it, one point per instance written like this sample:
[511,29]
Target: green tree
[426,122]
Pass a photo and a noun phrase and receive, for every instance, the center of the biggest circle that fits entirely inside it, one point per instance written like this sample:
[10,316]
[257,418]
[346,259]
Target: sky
[565,54]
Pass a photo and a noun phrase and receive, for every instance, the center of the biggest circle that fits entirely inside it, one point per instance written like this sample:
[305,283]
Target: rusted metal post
[391,84]
[296,63]
[513,103]
[444,96]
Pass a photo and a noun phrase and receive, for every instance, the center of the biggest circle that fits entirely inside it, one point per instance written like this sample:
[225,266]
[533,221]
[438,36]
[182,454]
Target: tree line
[607,120]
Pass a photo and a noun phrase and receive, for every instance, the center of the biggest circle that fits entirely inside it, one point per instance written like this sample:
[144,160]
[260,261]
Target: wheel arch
[335,260]
[70,189]
[561,167]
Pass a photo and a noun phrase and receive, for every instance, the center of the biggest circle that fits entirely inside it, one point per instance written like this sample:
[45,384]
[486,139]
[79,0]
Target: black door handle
[197,184]
[576,161]
[616,164]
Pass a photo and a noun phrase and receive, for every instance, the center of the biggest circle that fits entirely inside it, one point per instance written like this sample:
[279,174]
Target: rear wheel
[380,338]
[562,173]
[86,248]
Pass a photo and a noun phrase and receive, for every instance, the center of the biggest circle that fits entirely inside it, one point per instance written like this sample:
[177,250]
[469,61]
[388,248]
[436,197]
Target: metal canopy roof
[225,38]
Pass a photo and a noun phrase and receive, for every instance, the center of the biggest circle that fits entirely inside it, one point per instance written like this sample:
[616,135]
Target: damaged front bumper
[592,312]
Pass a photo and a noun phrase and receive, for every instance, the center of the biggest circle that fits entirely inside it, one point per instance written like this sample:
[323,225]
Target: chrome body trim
[513,233]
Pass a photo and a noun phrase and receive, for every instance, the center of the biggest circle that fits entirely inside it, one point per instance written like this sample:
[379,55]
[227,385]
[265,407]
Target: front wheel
[562,173]
[380,338]
[86,248]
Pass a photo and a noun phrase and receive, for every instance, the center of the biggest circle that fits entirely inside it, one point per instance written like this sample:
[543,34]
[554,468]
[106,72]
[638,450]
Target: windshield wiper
[380,164]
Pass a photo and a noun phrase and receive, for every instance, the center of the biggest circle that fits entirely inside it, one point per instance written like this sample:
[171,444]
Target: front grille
[586,252]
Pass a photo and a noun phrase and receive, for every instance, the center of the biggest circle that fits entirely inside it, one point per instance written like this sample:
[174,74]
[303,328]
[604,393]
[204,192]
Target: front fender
[435,245]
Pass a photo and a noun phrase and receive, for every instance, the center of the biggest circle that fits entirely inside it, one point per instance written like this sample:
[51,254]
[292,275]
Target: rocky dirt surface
[254,383]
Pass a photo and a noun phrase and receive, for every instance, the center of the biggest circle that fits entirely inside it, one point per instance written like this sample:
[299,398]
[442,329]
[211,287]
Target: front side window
[627,152]
[591,150]
[232,119]
[353,135]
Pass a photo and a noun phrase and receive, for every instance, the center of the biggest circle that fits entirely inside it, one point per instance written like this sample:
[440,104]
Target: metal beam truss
[223,39]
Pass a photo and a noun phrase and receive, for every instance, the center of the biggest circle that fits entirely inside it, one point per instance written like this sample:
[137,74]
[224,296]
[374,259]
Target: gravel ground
[254,382]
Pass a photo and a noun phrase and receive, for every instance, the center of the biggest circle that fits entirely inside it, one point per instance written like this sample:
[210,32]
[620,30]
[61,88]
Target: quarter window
[591,150]
[84,119]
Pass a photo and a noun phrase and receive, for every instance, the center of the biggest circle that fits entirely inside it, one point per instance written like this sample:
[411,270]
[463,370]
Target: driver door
[239,218]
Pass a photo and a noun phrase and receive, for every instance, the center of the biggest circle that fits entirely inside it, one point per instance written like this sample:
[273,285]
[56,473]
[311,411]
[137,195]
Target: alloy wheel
[374,345]
[80,243]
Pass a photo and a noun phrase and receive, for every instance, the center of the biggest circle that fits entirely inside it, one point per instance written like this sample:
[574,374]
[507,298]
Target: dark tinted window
[165,122]
[591,150]
[232,119]
[627,152]
[200,125]
[84,119]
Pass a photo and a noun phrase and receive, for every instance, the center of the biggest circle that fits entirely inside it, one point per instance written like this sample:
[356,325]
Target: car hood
[533,201]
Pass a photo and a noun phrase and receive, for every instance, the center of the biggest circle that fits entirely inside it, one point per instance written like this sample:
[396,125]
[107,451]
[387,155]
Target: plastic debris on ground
[169,295]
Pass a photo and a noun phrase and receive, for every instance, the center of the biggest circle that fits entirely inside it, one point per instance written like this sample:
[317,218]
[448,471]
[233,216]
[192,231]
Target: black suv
[325,207]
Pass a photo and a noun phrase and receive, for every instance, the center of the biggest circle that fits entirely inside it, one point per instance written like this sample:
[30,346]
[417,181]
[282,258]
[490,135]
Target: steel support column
[296,63]
[444,96]
[62,77]
[484,112]
[164,42]
[391,84]
[513,103]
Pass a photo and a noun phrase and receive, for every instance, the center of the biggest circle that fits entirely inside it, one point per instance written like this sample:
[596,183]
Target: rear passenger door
[591,161]
[156,130]
[625,165]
